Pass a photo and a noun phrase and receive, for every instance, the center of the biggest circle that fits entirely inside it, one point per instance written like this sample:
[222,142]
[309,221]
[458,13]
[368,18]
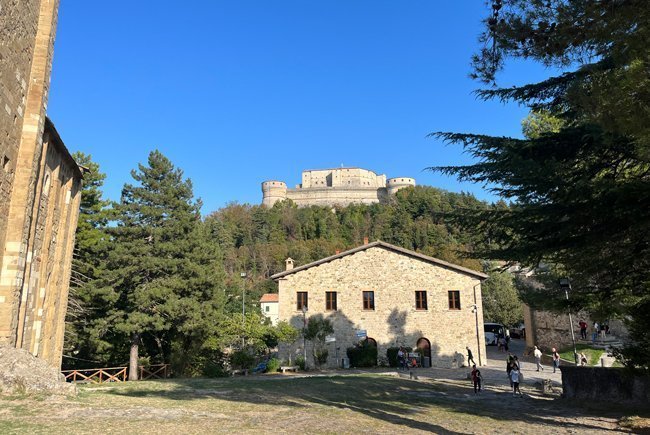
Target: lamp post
[242,275]
[478,339]
[566,285]
[304,330]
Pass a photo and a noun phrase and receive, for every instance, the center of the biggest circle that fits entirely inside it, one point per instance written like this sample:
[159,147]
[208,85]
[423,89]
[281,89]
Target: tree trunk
[133,358]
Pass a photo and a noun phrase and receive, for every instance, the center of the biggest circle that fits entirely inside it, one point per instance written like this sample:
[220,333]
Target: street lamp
[566,285]
[475,311]
[304,330]
[242,275]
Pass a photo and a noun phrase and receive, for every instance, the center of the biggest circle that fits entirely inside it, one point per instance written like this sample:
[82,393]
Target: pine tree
[581,193]
[160,280]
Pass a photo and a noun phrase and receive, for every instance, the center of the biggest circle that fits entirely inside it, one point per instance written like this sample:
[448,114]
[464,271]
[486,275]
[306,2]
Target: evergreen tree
[160,278]
[582,193]
[90,244]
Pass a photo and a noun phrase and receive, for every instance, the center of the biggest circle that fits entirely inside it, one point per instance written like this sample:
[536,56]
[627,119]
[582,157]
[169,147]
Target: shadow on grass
[394,400]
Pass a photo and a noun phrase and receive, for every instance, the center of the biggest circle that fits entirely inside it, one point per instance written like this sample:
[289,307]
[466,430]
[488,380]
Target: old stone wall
[394,278]
[547,330]
[40,186]
[599,383]
[18,25]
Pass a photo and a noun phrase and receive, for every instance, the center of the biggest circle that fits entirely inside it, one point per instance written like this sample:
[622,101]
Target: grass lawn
[291,404]
[593,355]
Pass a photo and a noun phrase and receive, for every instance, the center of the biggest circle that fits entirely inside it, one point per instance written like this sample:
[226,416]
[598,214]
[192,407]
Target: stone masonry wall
[18,25]
[394,278]
[40,189]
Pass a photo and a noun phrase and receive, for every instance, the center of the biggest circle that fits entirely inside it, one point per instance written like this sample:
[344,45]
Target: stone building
[269,307]
[39,186]
[389,296]
[339,186]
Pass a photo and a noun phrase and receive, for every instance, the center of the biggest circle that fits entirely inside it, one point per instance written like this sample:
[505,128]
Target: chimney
[365,240]
[289,263]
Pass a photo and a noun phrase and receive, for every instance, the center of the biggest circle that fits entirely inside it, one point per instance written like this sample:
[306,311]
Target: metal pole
[243,308]
[573,337]
[478,340]
[566,284]
[304,340]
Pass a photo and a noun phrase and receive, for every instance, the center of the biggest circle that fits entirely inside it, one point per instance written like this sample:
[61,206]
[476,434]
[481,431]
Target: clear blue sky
[237,92]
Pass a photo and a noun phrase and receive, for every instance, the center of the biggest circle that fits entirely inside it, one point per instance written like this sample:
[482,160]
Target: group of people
[513,370]
[404,360]
[599,329]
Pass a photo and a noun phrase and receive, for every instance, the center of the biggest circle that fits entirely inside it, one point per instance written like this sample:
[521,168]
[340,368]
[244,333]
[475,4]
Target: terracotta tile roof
[389,247]
[270,297]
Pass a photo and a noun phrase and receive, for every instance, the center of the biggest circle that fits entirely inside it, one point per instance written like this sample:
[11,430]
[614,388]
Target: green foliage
[363,355]
[300,362]
[391,354]
[540,122]
[273,365]
[580,192]
[501,303]
[242,359]
[317,329]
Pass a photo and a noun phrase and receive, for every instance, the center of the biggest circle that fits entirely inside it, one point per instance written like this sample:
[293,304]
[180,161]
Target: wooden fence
[115,374]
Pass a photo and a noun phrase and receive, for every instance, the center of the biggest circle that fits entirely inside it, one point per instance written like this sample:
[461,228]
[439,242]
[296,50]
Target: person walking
[476,379]
[594,335]
[515,378]
[556,360]
[538,358]
[401,358]
[470,356]
[583,329]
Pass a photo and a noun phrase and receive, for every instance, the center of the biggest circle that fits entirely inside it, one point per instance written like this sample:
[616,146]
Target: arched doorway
[371,342]
[424,347]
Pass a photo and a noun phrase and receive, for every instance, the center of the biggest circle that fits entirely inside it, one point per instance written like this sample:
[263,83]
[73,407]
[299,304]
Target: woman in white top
[514,376]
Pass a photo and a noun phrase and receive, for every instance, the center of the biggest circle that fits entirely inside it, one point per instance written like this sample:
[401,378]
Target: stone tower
[40,186]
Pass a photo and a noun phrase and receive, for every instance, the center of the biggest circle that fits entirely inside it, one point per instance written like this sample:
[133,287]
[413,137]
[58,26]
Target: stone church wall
[40,186]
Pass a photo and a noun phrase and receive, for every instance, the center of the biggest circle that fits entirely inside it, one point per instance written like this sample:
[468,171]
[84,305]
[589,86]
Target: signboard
[361,333]
[330,339]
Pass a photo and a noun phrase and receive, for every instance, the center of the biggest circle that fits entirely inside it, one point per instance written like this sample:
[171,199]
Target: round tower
[273,191]
[395,184]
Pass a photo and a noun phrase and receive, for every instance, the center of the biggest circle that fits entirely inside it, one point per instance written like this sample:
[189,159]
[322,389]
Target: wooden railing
[159,371]
[115,374]
[96,376]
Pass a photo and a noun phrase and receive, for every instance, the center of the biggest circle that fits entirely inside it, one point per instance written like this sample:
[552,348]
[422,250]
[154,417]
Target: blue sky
[237,92]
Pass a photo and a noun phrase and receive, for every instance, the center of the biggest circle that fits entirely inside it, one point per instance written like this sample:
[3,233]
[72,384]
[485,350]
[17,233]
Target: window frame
[371,300]
[328,301]
[302,300]
[453,297]
[421,303]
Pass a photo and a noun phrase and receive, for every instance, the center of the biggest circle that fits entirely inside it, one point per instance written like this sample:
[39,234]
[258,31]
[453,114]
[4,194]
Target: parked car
[493,331]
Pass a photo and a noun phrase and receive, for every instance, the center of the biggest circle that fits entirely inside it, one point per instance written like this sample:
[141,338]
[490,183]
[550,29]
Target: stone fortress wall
[338,186]
[40,186]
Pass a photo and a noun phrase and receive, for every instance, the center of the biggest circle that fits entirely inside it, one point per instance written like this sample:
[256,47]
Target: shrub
[320,356]
[213,369]
[300,362]
[391,354]
[273,365]
[241,359]
[364,355]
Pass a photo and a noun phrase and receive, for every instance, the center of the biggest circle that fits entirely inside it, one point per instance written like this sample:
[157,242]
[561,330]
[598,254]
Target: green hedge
[362,356]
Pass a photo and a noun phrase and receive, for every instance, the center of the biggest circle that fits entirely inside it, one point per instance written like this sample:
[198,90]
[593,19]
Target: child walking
[514,377]
[476,378]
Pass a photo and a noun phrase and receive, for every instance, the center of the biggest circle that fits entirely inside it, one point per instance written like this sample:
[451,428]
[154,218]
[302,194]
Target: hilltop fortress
[339,186]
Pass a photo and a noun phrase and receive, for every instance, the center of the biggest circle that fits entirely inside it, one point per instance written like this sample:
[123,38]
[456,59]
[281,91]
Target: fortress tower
[338,186]
[273,191]
[395,184]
